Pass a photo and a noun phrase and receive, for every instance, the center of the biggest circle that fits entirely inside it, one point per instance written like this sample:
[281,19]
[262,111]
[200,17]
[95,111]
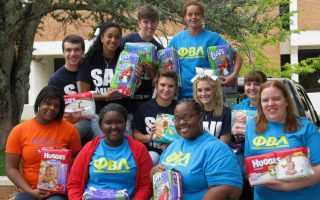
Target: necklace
[107,62]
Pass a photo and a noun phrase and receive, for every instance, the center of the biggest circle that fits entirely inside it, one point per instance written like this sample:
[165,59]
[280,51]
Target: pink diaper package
[54,169]
[80,104]
[125,79]
[169,60]
[165,130]
[287,165]
[221,60]
[167,185]
[105,194]
[240,119]
[146,50]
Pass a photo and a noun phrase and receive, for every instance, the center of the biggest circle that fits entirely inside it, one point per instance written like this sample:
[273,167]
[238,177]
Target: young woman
[217,121]
[47,129]
[113,161]
[166,88]
[276,119]
[192,43]
[209,168]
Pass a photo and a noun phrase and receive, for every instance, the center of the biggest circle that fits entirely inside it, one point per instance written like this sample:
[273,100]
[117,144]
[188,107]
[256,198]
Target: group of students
[209,167]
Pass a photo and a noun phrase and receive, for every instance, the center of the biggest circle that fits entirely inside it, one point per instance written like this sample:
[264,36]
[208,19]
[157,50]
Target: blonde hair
[217,93]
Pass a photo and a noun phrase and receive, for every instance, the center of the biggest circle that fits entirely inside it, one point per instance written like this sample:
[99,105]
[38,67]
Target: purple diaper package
[169,60]
[146,50]
[167,185]
[125,79]
[105,194]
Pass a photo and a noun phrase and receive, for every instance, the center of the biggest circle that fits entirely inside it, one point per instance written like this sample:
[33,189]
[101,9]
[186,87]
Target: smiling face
[148,27]
[252,89]
[193,17]
[204,92]
[48,111]
[274,104]
[113,125]
[73,53]
[111,39]
[188,121]
[166,88]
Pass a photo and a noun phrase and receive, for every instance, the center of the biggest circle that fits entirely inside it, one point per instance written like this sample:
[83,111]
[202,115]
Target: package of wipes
[80,104]
[167,185]
[54,169]
[261,169]
[105,194]
[165,130]
[240,119]
[293,164]
[169,60]
[125,79]
[146,50]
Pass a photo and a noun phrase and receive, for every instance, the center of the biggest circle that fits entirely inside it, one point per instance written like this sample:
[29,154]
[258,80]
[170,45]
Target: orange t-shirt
[27,138]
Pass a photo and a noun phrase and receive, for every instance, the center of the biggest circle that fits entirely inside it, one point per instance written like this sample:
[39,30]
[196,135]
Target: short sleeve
[226,123]
[313,142]
[75,142]
[13,142]
[84,72]
[138,120]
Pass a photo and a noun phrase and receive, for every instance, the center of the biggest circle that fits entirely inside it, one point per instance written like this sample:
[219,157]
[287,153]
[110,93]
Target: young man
[65,78]
[192,43]
[148,17]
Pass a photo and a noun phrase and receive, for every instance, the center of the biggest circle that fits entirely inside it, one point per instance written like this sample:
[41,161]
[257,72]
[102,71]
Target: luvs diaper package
[146,50]
[221,59]
[165,130]
[54,169]
[105,194]
[80,104]
[169,60]
[125,79]
[167,185]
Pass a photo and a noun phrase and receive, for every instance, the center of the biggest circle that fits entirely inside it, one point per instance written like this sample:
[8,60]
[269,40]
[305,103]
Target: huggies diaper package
[125,78]
[167,185]
[54,169]
[80,104]
[169,60]
[105,194]
[146,50]
[165,130]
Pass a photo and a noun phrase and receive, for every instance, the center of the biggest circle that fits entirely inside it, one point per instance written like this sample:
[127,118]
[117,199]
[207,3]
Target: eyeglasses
[185,118]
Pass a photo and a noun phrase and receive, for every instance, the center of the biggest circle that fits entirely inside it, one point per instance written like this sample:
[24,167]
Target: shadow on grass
[2,163]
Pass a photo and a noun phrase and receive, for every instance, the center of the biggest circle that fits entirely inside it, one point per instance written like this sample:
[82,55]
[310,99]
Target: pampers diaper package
[54,169]
[167,185]
[290,164]
[239,120]
[105,194]
[80,104]
[146,50]
[125,79]
[165,130]
[169,60]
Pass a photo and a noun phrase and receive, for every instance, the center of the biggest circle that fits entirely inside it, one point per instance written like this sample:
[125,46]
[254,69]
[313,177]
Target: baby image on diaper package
[167,185]
[165,130]
[169,60]
[54,168]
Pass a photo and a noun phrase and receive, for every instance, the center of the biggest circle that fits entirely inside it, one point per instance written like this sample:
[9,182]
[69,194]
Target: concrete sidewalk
[7,189]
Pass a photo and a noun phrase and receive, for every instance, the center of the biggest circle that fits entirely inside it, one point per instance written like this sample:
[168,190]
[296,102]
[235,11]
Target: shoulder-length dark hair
[95,52]
[48,93]
[290,124]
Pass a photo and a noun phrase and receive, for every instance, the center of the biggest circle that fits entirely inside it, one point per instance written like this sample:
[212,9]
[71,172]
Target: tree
[239,20]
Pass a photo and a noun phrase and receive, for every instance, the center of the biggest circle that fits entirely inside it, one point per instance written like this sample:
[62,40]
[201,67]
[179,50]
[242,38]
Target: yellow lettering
[100,163]
[123,162]
[271,141]
[171,158]
[183,52]
[283,140]
[112,165]
[259,141]
[192,52]
[178,159]
[200,52]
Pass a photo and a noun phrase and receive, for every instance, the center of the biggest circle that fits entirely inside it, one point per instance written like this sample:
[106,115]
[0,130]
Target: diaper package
[54,169]
[261,169]
[287,165]
[240,119]
[221,60]
[169,60]
[125,79]
[165,130]
[80,104]
[105,194]
[146,50]
[167,185]
[293,164]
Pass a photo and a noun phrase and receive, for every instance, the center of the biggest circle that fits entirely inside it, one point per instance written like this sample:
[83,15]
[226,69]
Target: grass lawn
[2,163]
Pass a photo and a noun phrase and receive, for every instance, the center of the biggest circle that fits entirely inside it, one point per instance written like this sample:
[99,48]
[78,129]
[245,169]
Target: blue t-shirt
[244,105]
[213,164]
[218,125]
[192,52]
[146,116]
[65,80]
[112,168]
[274,139]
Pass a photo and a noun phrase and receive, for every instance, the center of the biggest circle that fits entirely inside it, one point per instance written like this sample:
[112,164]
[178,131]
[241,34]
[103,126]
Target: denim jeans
[25,196]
